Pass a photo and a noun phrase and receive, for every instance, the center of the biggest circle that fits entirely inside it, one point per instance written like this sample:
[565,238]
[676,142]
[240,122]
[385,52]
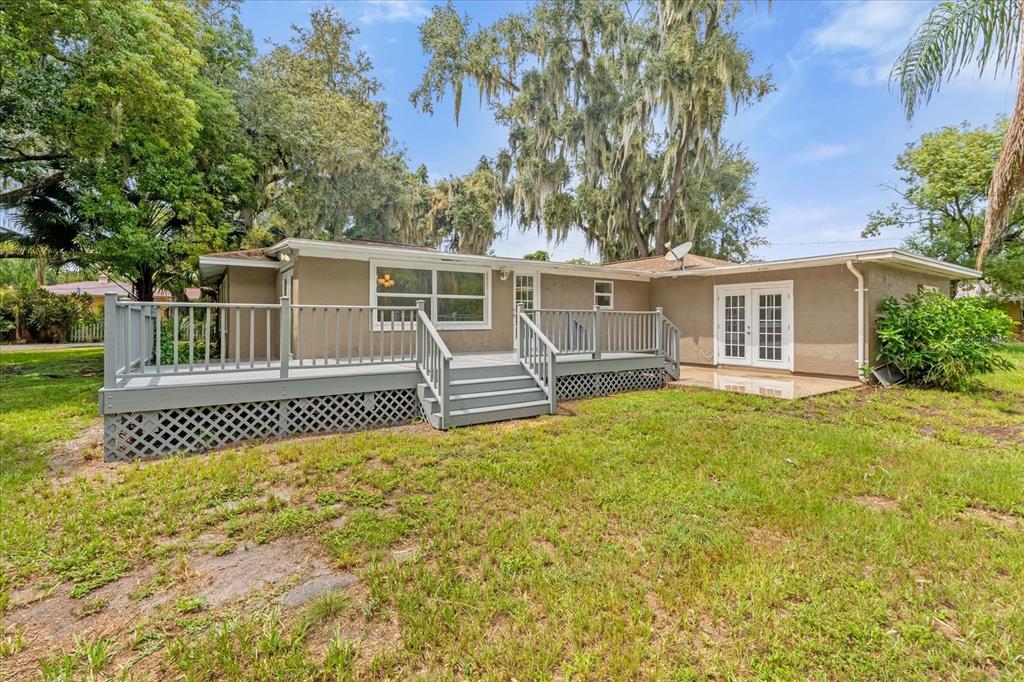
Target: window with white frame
[603,294]
[455,298]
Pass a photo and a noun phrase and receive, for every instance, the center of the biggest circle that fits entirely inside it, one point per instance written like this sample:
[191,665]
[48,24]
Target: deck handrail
[433,360]
[538,356]
[598,331]
[669,342]
[171,337]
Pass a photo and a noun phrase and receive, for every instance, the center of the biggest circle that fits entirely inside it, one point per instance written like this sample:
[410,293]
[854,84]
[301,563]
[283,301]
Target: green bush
[44,316]
[943,342]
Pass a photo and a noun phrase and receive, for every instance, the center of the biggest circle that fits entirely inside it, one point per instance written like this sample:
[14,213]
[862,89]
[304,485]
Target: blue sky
[825,141]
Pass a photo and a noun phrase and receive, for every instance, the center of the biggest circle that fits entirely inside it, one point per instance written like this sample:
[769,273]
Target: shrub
[45,316]
[943,342]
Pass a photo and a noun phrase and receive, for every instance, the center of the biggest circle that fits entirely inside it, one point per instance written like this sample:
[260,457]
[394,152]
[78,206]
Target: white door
[755,325]
[734,327]
[524,291]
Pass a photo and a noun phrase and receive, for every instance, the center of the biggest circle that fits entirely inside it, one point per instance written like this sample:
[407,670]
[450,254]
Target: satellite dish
[678,252]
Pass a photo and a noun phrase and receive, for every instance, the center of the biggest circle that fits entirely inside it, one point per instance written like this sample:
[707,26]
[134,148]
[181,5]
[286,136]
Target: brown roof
[659,264]
[244,254]
[101,287]
[261,254]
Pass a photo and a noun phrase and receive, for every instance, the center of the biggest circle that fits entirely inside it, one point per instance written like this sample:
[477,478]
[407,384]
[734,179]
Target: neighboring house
[360,354]
[1012,305]
[99,288]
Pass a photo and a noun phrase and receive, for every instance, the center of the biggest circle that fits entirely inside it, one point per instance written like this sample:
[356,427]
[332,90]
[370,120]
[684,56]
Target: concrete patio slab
[756,382]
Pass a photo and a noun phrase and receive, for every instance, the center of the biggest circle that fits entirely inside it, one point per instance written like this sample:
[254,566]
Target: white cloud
[869,25]
[821,152]
[866,37]
[393,11]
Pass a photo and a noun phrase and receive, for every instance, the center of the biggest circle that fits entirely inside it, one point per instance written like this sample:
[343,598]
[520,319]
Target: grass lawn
[671,534]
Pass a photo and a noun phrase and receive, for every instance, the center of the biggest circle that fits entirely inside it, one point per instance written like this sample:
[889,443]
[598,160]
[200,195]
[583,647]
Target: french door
[524,291]
[754,325]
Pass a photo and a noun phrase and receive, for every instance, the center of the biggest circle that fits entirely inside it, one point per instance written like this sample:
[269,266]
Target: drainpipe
[860,318]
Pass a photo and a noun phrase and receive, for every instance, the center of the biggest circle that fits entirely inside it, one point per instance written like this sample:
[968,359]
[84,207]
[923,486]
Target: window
[603,294]
[524,289]
[454,299]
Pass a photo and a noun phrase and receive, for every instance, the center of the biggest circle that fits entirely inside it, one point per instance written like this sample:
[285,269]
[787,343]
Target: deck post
[286,336]
[110,337]
[659,330]
[421,307]
[518,330]
[597,332]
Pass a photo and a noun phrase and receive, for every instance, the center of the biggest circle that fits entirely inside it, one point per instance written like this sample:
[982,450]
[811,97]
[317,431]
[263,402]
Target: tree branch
[13,195]
[22,158]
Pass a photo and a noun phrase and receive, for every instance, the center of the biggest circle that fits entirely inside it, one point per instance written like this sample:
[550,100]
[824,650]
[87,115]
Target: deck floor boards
[150,379]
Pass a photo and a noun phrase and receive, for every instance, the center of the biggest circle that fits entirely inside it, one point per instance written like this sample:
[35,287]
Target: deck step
[488,371]
[489,384]
[486,394]
[492,413]
[483,398]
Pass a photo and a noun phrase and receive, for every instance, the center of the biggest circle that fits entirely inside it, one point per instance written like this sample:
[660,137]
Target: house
[97,289]
[377,333]
[1011,305]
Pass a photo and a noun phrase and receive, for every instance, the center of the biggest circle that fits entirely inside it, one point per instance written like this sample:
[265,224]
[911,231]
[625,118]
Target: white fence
[86,332]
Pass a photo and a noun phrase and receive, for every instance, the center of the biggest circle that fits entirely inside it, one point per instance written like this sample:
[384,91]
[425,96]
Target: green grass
[47,396]
[673,534]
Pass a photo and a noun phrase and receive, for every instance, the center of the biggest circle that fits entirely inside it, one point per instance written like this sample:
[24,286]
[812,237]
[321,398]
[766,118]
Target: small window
[603,294]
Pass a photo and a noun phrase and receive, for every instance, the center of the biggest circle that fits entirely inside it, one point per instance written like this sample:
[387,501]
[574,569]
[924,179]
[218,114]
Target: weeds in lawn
[12,642]
[670,534]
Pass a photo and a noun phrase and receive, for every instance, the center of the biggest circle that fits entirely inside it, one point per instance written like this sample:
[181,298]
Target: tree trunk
[40,270]
[1008,176]
[668,204]
[144,285]
[631,217]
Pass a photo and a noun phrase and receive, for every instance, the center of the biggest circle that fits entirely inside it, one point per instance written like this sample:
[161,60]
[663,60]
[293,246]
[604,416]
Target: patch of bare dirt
[1007,434]
[1002,518]
[83,454]
[244,576]
[876,502]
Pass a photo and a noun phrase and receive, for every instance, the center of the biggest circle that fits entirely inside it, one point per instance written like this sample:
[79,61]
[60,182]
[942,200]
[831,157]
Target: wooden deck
[345,381]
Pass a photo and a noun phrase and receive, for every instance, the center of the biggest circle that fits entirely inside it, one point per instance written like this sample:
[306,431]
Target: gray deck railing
[143,337]
[593,332]
[597,331]
[670,338]
[434,361]
[538,356]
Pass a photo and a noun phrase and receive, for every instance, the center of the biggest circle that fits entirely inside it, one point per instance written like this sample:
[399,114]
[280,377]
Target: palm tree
[953,35]
[47,224]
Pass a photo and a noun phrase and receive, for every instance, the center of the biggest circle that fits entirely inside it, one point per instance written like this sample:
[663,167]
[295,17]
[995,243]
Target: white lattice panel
[352,412]
[141,435]
[576,386]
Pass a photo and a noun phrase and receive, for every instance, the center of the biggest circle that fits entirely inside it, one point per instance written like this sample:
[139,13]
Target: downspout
[860,318]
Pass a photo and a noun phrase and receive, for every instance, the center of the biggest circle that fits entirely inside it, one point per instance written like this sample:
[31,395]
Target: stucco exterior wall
[824,316]
[824,311]
[883,281]
[329,281]
[250,285]
[567,292]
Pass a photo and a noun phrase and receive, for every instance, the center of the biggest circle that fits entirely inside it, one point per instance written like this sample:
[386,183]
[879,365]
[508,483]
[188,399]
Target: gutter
[860,318]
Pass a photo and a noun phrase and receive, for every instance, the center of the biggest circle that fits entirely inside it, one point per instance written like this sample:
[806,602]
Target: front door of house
[754,325]
[524,292]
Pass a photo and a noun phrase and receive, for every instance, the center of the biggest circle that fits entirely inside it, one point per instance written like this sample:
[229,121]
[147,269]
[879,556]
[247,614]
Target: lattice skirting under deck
[577,386]
[142,435]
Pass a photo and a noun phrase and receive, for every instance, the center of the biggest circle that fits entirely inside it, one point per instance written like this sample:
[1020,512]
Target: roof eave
[902,258]
[314,248]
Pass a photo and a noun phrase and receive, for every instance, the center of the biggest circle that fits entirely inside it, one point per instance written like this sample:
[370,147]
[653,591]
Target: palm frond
[953,35]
